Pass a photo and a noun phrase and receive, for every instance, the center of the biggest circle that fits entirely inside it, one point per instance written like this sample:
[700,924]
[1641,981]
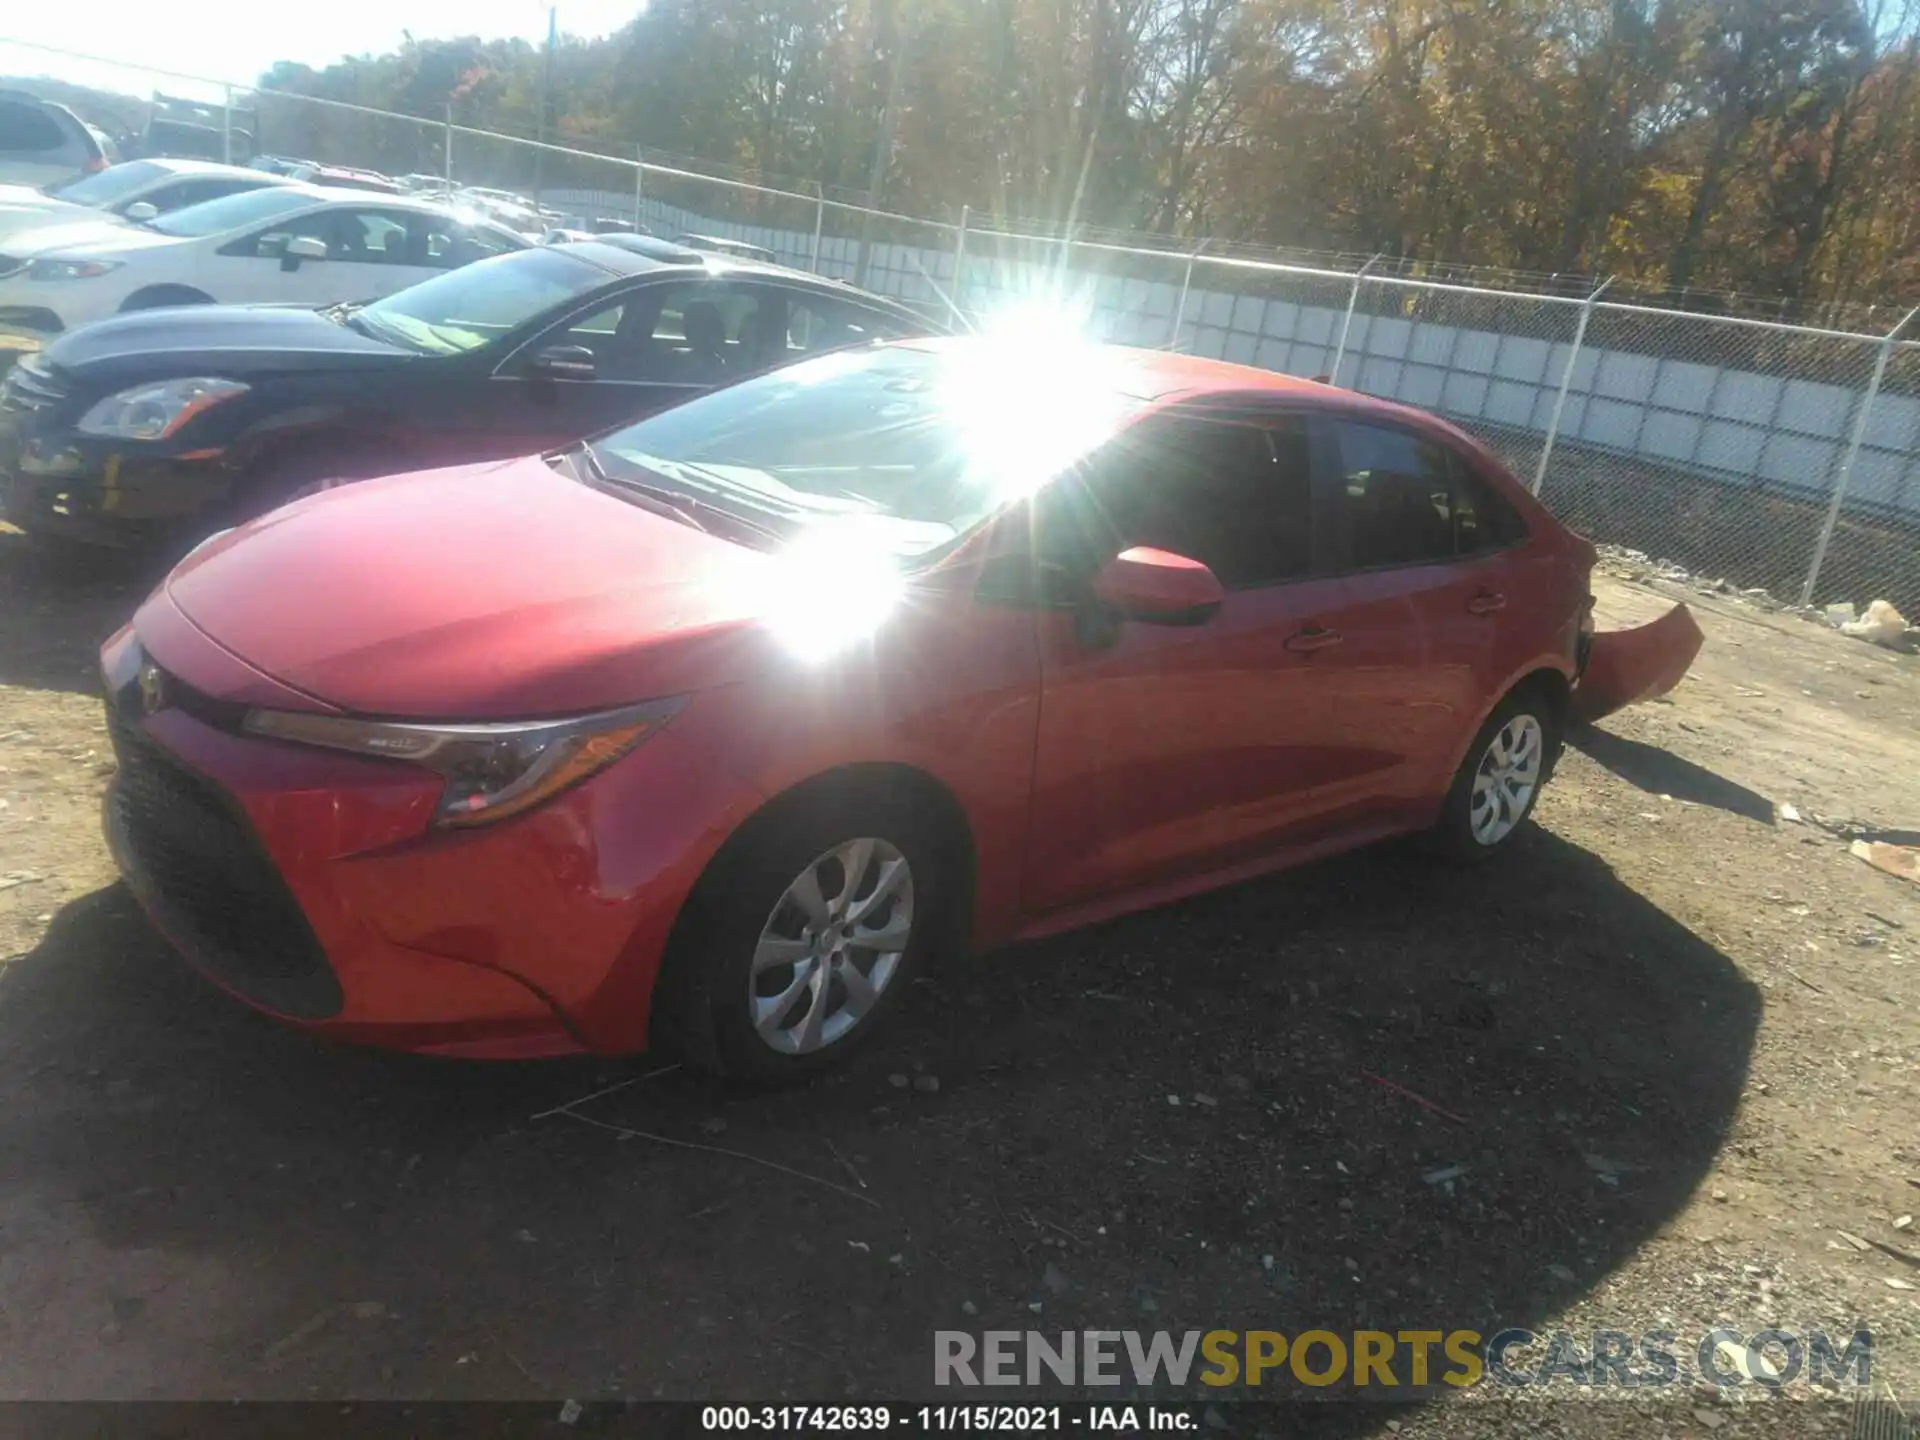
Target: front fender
[1625,667]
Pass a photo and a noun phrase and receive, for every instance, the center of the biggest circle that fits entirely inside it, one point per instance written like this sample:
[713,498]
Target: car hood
[97,235]
[23,208]
[232,340]
[480,592]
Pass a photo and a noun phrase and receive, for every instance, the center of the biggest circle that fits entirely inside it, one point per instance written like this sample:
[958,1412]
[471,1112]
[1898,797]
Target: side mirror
[141,210]
[563,362]
[302,247]
[1159,588]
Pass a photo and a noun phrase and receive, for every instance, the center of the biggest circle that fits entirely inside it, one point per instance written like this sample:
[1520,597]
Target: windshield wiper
[686,507]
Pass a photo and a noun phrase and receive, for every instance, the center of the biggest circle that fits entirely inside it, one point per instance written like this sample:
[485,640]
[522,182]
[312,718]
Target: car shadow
[1661,772]
[56,606]
[1372,1093]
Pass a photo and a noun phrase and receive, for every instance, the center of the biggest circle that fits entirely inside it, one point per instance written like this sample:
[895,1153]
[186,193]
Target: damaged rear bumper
[1625,667]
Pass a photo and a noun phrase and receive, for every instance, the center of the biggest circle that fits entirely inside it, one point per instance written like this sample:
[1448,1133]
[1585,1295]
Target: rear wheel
[1499,782]
[799,946]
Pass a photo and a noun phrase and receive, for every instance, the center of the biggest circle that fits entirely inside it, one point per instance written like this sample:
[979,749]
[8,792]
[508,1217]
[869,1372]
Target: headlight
[69,269]
[153,412]
[492,771]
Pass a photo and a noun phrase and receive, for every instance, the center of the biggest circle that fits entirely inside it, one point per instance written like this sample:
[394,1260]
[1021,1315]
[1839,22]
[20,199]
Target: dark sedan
[158,426]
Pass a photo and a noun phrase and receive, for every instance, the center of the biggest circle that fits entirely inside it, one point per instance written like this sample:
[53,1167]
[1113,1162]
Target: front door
[1165,750]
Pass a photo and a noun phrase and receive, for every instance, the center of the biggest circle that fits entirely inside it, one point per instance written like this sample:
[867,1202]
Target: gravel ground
[1673,1036]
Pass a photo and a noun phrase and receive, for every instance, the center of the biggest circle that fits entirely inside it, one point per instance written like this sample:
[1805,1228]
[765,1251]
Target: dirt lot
[1677,1038]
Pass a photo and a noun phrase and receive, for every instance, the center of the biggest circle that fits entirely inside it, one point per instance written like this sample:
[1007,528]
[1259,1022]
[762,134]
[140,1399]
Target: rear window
[28,128]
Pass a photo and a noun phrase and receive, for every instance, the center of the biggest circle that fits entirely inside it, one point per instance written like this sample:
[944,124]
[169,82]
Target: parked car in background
[561,236]
[617,227]
[42,143]
[773,705]
[155,428]
[291,243]
[278,164]
[137,190]
[344,177]
[193,130]
[717,245]
[425,184]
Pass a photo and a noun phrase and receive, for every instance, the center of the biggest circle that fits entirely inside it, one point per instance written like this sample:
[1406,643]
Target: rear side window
[27,128]
[1407,499]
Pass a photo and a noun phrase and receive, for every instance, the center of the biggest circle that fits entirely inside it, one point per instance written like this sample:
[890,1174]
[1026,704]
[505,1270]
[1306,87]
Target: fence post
[448,147]
[959,264]
[226,126]
[1566,384]
[1845,476]
[639,187]
[1180,310]
[1346,326]
[819,222]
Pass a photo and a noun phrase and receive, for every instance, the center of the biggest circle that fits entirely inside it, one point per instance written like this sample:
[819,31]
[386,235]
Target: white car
[137,190]
[288,244]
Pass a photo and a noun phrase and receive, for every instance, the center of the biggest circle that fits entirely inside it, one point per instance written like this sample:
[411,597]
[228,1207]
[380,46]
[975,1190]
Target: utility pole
[546,103]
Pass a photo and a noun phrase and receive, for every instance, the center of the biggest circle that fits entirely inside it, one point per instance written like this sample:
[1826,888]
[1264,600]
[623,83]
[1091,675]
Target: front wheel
[1499,782]
[803,942]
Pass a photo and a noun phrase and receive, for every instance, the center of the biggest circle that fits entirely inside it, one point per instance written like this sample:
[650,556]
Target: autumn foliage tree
[1762,146]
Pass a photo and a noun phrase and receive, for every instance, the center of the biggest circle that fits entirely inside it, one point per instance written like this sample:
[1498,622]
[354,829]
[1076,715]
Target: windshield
[230,212]
[109,185]
[465,308]
[911,447]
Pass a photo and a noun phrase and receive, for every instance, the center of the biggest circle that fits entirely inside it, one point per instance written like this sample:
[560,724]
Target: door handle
[1314,637]
[1486,603]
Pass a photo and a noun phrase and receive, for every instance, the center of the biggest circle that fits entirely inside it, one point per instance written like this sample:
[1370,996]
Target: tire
[737,996]
[1522,736]
[158,296]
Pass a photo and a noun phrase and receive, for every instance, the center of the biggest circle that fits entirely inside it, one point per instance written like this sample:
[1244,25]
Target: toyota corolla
[713,730]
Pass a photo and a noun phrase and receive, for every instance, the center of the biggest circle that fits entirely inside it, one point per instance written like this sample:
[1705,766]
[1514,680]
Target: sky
[238,39]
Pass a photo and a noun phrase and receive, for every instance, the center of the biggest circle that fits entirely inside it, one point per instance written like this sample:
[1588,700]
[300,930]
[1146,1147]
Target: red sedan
[714,729]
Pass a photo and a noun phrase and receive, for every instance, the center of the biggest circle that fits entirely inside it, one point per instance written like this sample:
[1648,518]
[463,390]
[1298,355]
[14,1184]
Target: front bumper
[308,884]
[102,492]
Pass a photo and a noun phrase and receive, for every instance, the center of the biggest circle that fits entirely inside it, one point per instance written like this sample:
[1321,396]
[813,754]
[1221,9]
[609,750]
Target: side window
[817,323]
[379,237]
[695,332]
[449,246]
[271,243]
[28,129]
[613,357]
[1235,494]
[1408,500]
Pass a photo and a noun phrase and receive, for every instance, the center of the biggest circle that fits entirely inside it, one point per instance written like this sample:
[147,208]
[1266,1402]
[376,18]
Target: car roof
[665,255]
[1167,377]
[183,166]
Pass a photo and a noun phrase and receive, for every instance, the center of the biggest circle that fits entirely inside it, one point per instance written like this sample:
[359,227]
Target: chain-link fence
[1767,454]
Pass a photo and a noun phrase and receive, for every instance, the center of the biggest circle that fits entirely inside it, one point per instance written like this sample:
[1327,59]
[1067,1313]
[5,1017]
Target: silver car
[42,143]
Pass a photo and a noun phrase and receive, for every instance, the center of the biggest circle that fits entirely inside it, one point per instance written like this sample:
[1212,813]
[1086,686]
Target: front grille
[31,385]
[192,858]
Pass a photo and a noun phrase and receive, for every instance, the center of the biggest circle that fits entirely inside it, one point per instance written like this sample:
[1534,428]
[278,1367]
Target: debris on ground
[1900,861]
[1881,625]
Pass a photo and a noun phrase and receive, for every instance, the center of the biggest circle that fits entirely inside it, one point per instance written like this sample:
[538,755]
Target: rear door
[1168,750]
[1419,542]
